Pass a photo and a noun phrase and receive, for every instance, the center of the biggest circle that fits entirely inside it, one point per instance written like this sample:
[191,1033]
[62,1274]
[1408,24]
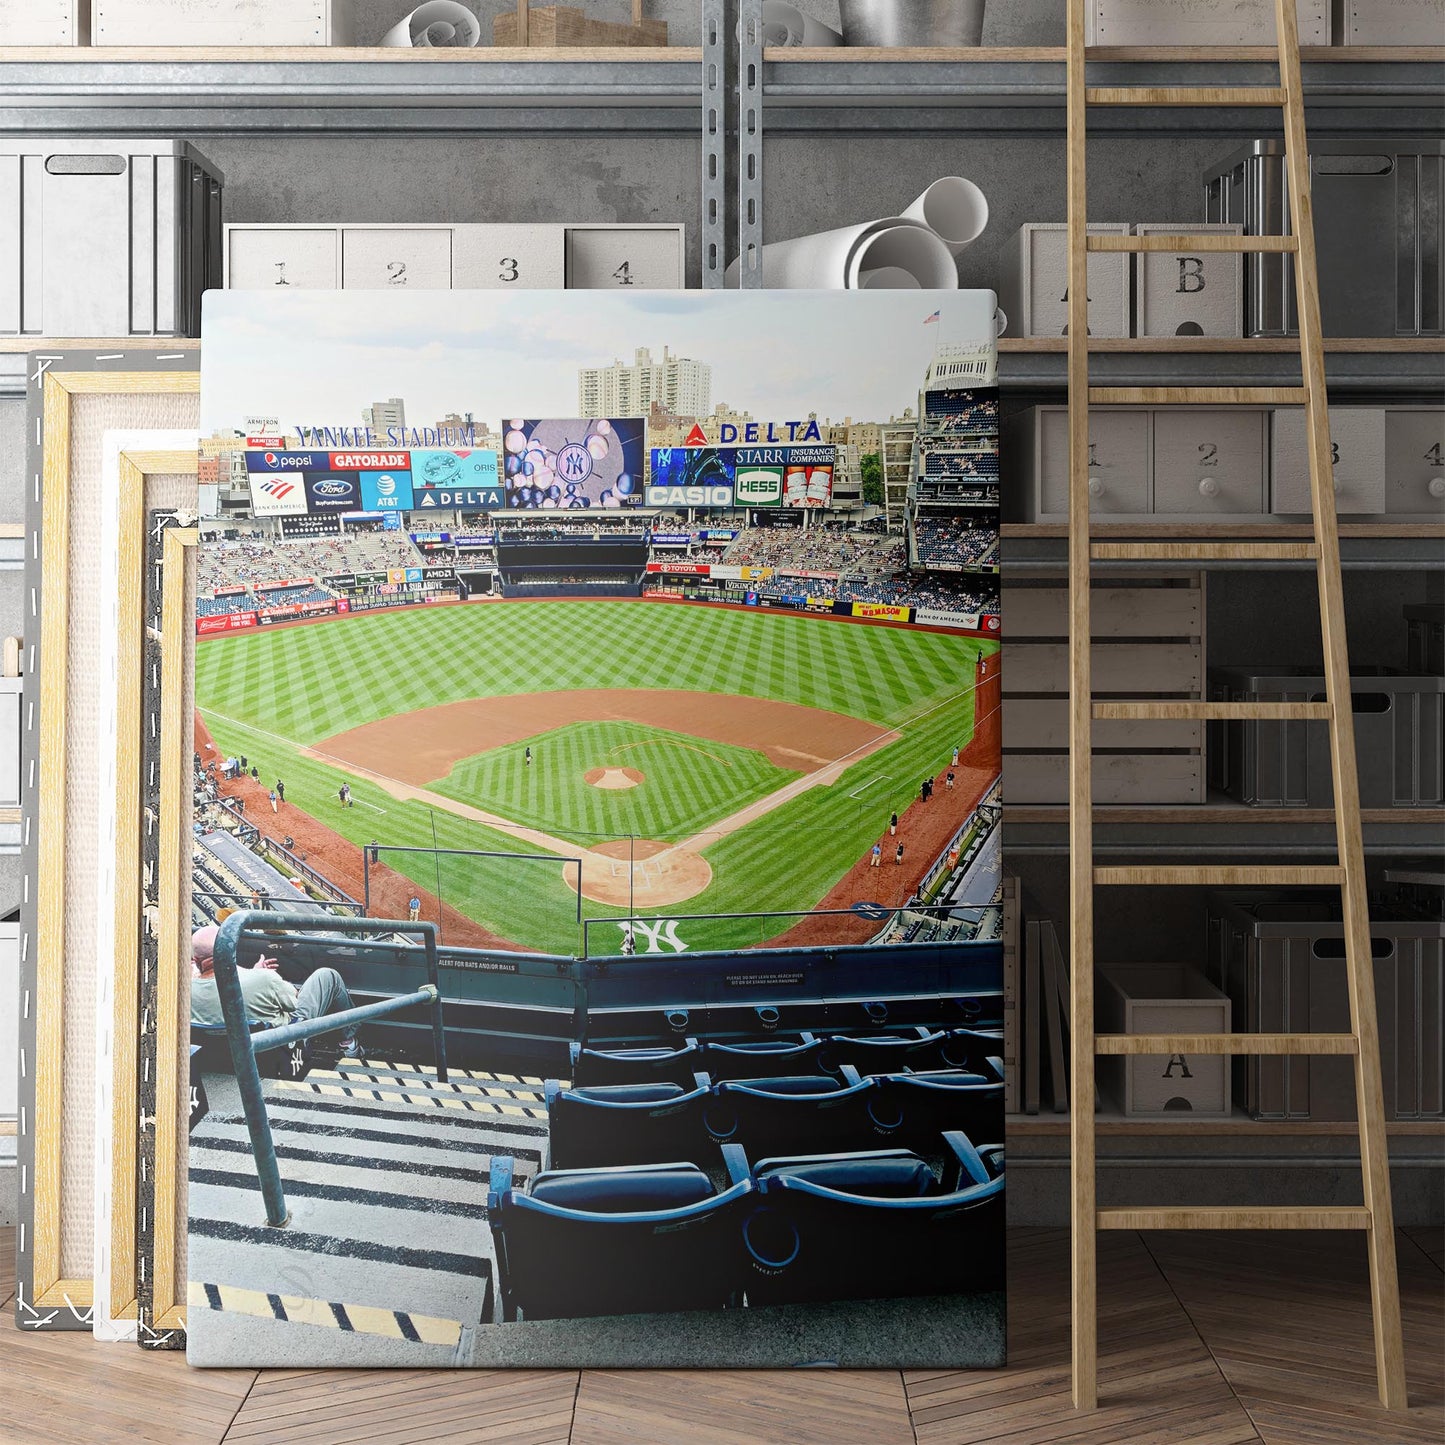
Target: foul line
[863,787]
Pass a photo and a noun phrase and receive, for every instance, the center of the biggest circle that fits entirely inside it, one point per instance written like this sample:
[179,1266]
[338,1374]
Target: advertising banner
[332,491]
[574,463]
[278,496]
[881,610]
[325,524]
[820,604]
[370,579]
[670,539]
[937,617]
[396,576]
[413,576]
[717,534]
[369,461]
[276,460]
[391,522]
[227,591]
[439,574]
[341,579]
[758,486]
[231,622]
[386,491]
[755,574]
[700,569]
[690,477]
[729,574]
[808,484]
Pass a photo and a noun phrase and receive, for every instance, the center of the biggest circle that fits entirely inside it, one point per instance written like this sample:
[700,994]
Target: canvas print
[597,851]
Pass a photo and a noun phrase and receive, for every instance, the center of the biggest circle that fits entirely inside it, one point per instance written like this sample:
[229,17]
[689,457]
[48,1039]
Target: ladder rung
[1207,711]
[1187,241]
[1205,551]
[1185,95]
[1222,1217]
[1198,395]
[1247,876]
[1269,1044]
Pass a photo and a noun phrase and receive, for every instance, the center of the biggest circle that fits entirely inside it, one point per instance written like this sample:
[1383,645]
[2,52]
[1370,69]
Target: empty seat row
[805,1228]
[638,1123]
[878,1052]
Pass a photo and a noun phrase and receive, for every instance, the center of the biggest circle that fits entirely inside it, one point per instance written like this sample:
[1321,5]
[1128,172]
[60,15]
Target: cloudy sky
[315,358]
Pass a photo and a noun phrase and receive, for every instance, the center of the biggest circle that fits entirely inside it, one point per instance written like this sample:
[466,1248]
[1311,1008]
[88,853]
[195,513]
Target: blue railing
[245,1045]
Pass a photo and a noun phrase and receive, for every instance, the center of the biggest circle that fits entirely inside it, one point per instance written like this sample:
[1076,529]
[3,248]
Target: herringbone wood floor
[1205,1340]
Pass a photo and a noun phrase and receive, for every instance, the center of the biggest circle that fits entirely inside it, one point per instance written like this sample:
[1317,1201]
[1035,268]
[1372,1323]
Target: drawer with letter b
[1208,462]
[1357,451]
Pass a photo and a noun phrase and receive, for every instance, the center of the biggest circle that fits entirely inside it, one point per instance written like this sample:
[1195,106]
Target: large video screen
[721,477]
[574,464]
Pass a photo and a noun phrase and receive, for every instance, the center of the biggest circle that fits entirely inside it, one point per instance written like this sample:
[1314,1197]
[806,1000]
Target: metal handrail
[245,1045]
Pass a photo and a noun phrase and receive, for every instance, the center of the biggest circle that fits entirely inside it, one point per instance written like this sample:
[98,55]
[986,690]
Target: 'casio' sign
[689,496]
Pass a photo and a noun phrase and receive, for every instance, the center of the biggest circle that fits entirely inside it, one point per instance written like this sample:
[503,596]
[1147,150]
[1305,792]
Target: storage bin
[1399,739]
[1200,22]
[1184,293]
[1425,637]
[1148,998]
[1036,443]
[1389,22]
[1208,462]
[1377,214]
[44,22]
[1034,282]
[222,22]
[1357,442]
[106,237]
[1280,958]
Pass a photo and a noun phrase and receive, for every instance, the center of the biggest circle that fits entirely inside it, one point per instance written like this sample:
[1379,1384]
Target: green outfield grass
[270,694]
[689,782]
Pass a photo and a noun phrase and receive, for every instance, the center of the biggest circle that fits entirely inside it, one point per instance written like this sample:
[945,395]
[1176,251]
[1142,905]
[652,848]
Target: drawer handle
[1335,948]
[1096,485]
[1436,486]
[1208,487]
[85,165]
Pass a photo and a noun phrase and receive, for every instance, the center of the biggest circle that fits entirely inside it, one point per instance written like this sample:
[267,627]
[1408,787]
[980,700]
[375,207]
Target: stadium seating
[883,1053]
[789,1111]
[858,1226]
[674,1064]
[756,1060]
[579,1242]
[913,1106]
[627,1123]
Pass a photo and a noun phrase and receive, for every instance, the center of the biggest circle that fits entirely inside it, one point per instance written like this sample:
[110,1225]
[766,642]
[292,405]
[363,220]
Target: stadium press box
[106,237]
[1201,464]
[465,257]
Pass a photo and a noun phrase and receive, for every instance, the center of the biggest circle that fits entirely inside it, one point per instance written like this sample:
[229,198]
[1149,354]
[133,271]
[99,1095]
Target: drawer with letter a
[1208,462]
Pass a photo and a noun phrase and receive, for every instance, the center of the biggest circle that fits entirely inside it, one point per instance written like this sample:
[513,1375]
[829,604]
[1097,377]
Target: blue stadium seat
[979,1050]
[861,1226]
[675,1063]
[914,1106]
[885,1053]
[581,1242]
[610,1124]
[758,1059]
[789,1111]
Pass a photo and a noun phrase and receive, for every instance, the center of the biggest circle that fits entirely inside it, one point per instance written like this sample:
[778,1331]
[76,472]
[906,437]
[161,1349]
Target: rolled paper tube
[887,278]
[954,209]
[835,260]
[437,25]
[786,25]
[1000,317]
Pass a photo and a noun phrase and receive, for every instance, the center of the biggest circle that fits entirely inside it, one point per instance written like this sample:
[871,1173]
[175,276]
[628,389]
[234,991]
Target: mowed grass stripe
[291,681]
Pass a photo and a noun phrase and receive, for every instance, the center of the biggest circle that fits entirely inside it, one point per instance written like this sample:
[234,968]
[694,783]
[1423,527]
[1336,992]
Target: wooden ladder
[1348,874]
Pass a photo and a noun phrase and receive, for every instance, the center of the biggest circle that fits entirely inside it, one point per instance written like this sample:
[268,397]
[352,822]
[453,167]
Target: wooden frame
[48,1294]
[133,470]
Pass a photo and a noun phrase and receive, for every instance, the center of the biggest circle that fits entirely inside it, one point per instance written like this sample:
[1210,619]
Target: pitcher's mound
[613,777]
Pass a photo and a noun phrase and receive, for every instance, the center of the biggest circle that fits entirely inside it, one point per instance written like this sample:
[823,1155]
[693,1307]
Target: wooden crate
[1148,637]
[551,26]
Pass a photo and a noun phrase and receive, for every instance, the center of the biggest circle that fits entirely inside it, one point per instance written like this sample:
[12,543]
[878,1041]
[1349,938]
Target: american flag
[934,317]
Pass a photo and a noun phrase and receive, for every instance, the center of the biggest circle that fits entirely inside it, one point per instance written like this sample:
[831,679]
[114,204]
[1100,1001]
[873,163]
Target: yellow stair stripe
[365,1319]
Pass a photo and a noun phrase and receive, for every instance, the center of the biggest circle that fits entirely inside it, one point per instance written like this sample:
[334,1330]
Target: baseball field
[662,760]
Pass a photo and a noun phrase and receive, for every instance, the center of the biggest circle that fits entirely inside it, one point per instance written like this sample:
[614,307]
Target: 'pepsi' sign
[282,461]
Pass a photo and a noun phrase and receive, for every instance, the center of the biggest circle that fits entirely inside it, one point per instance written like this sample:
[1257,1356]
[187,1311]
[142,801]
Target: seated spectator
[270,1000]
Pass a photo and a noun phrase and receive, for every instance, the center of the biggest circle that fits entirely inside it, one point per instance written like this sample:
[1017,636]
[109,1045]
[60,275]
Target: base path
[339,860]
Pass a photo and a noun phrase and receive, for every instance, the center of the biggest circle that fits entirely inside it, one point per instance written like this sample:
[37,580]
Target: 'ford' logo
[332,489]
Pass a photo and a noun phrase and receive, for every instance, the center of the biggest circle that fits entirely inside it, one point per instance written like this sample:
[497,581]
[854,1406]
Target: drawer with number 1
[480,257]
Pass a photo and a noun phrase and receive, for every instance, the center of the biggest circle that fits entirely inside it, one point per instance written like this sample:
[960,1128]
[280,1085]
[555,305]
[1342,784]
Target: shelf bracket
[714,143]
[750,143]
